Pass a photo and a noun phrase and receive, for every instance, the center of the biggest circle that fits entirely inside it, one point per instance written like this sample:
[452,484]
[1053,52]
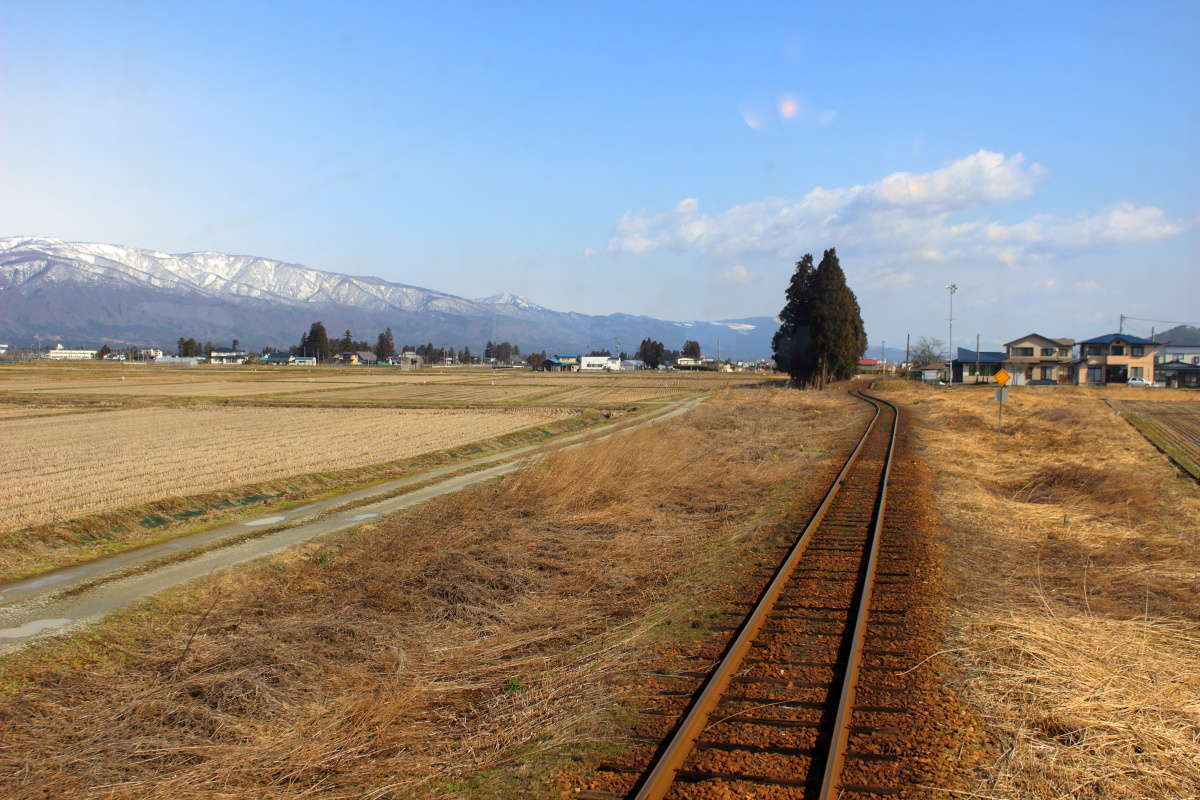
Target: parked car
[1138,382]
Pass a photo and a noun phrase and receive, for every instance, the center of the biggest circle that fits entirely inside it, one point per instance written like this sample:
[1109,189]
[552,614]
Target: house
[598,363]
[1187,353]
[631,364]
[561,362]
[60,353]
[1115,358]
[685,362]
[407,360]
[278,359]
[1037,359]
[364,357]
[228,357]
[304,361]
[1179,374]
[971,366]
[179,361]
[150,354]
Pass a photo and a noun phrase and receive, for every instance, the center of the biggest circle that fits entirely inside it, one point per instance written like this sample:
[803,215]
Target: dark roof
[366,355]
[1109,338]
[1177,366]
[279,356]
[985,356]
[566,355]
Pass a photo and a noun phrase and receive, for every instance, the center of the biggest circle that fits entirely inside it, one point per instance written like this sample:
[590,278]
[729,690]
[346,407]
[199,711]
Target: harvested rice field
[56,468]
[17,411]
[240,388]
[616,394]
[438,393]
[1173,427]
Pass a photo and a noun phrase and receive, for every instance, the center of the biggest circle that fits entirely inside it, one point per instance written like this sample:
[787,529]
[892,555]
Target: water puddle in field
[254,523]
[361,517]
[33,628]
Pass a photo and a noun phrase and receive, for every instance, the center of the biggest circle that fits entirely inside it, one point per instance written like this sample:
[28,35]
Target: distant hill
[1180,334]
[87,294]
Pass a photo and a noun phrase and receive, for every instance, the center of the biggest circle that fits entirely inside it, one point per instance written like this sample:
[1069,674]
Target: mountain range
[84,294]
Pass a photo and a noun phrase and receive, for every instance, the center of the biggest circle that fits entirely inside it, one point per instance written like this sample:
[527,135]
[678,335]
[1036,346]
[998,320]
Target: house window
[1047,373]
[1064,352]
[1118,349]
[1137,350]
[1135,372]
[1095,349]
[1095,375]
[1047,351]
[1023,351]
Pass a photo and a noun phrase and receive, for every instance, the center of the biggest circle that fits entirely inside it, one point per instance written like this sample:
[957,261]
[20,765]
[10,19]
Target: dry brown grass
[430,645]
[1077,617]
[57,468]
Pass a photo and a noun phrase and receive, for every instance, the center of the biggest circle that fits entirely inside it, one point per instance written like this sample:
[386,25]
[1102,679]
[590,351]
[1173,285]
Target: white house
[1187,353]
[598,363]
[228,357]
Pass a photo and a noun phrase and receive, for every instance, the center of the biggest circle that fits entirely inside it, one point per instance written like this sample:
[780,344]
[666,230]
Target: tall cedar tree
[838,335]
[821,334]
[316,343]
[691,349]
[385,346]
[792,343]
[651,352]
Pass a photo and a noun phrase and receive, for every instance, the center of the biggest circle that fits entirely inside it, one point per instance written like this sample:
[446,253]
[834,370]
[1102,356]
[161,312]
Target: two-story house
[1115,358]
[1037,359]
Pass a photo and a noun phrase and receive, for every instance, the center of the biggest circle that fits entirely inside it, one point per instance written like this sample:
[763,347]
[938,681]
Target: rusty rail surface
[662,775]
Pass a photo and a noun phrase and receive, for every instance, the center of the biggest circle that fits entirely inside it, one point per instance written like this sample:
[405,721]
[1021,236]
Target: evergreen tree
[691,349]
[838,335]
[385,347]
[791,344]
[651,352]
[489,350]
[316,343]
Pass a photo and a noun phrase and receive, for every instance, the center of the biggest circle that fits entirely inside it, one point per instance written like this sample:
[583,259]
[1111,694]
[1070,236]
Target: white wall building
[60,353]
[598,363]
[1187,353]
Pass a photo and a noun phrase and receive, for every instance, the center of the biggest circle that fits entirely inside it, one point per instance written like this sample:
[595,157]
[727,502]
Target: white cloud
[1047,283]
[916,217]
[888,279]
[736,274]
[1087,286]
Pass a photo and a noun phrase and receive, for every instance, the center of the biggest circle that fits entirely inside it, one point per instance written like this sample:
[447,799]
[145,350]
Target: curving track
[806,701]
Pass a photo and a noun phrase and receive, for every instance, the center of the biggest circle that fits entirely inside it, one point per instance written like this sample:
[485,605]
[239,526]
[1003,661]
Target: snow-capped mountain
[85,293]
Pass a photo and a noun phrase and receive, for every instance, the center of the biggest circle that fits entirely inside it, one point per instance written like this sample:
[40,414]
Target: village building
[686,362]
[363,357]
[304,361]
[561,362]
[1039,360]
[60,353]
[228,357]
[599,363]
[1116,358]
[278,359]
[970,366]
[408,360]
[1179,374]
[1187,353]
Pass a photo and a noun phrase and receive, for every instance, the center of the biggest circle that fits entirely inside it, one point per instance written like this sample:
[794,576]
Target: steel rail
[845,710]
[660,779]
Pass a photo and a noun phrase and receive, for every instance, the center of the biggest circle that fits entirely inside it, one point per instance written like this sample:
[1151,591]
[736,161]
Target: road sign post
[1002,378]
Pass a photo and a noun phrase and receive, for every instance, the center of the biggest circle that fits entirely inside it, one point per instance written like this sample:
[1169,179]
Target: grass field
[1077,619]
[57,467]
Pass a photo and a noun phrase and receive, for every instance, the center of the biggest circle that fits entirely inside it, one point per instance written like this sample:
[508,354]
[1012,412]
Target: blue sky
[671,160]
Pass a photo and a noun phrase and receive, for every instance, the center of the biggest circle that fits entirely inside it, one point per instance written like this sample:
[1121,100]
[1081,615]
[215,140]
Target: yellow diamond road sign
[1002,377]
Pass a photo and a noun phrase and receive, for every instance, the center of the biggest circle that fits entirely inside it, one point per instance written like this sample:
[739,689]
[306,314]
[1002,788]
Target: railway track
[808,698]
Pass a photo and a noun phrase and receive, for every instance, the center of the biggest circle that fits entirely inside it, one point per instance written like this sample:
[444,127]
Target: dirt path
[68,599]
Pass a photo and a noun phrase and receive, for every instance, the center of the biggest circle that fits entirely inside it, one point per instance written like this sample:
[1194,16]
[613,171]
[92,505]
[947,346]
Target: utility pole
[907,339]
[1121,329]
[952,288]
